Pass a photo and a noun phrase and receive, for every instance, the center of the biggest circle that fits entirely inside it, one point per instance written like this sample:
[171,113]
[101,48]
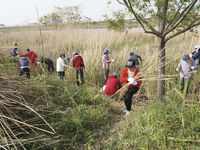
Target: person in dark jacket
[196,55]
[49,63]
[78,65]
[113,84]
[136,58]
[24,67]
[14,52]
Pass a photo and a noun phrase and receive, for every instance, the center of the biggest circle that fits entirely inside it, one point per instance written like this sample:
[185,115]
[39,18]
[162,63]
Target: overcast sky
[18,12]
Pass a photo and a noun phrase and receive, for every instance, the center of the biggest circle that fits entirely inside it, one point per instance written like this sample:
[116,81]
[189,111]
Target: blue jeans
[61,74]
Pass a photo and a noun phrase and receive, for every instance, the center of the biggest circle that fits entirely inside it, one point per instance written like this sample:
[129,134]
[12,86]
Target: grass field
[88,119]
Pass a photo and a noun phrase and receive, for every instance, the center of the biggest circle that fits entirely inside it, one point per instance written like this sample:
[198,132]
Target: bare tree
[171,17]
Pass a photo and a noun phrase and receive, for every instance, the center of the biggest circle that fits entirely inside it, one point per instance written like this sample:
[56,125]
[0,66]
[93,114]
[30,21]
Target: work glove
[38,62]
[113,60]
[17,55]
[132,81]
[135,83]
[192,67]
[176,69]
[190,55]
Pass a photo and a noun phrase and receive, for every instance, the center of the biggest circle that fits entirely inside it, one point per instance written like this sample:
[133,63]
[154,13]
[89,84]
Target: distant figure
[60,66]
[14,52]
[49,63]
[32,57]
[68,59]
[196,55]
[78,65]
[186,66]
[113,84]
[24,67]
[128,77]
[106,64]
[17,49]
[136,59]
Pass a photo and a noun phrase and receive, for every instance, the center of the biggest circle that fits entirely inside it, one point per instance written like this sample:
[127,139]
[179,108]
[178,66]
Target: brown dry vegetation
[91,44]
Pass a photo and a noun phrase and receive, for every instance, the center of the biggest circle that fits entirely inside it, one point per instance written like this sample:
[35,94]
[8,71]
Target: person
[78,65]
[128,76]
[14,52]
[60,65]
[196,55]
[24,67]
[113,84]
[32,57]
[106,63]
[136,58]
[17,49]
[68,59]
[186,66]
[49,63]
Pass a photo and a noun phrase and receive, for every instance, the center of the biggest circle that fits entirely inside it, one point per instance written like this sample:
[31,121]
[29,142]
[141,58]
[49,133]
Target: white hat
[197,47]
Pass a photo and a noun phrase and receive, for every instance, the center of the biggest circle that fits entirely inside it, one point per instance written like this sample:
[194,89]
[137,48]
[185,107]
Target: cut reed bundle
[12,123]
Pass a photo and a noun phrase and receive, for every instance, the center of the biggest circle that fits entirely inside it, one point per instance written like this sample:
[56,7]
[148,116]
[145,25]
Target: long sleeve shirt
[31,55]
[60,65]
[125,75]
[185,69]
[105,61]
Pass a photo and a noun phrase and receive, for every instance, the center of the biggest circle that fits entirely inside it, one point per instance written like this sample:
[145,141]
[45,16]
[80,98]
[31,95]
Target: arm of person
[124,77]
[139,58]
[25,55]
[63,64]
[178,67]
[104,60]
[82,63]
[120,85]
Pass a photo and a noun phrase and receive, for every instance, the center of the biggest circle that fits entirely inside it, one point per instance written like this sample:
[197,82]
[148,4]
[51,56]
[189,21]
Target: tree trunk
[161,67]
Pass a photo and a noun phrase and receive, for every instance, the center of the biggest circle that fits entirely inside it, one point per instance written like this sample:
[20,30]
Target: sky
[21,12]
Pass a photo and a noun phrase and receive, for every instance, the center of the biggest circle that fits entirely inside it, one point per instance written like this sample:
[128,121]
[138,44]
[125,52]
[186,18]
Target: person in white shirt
[60,66]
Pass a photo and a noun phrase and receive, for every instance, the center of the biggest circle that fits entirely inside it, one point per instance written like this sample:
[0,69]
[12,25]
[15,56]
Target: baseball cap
[130,63]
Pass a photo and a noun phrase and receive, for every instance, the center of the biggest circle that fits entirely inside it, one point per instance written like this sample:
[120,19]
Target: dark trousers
[61,74]
[128,97]
[50,67]
[106,73]
[25,70]
[77,72]
[184,82]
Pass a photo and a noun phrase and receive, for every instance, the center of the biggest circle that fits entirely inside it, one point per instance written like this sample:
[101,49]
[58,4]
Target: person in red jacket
[113,84]
[78,65]
[32,57]
[127,77]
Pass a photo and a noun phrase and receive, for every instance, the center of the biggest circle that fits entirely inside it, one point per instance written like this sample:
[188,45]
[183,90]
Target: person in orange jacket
[128,77]
[32,57]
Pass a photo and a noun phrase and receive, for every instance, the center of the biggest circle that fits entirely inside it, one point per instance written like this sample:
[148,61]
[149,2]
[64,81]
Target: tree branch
[164,14]
[177,12]
[121,3]
[140,19]
[192,25]
[181,17]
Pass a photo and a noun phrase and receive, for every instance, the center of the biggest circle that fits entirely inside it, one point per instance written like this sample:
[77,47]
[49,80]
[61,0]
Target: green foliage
[78,114]
[162,125]
[118,21]
[154,11]
[66,14]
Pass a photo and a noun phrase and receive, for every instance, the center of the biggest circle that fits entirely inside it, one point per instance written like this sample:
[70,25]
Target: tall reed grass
[91,43]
